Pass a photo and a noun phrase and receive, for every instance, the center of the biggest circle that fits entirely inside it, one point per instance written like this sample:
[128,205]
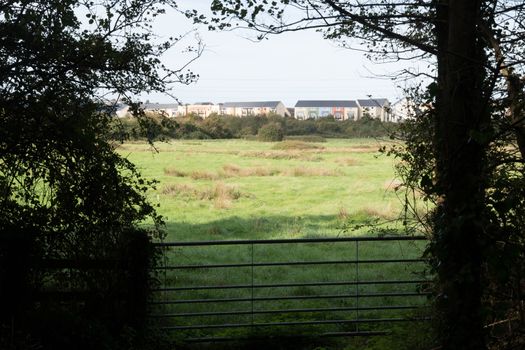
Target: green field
[232,189]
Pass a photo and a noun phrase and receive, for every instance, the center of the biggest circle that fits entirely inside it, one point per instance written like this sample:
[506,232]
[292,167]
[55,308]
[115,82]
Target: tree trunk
[460,159]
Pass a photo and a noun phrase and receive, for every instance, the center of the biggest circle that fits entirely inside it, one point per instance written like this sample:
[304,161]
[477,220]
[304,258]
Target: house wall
[344,113]
[325,112]
[300,113]
[169,112]
[351,113]
[247,111]
[122,112]
[202,111]
[281,110]
[375,112]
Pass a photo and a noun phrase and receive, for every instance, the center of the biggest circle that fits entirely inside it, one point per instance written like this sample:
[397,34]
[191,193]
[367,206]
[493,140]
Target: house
[167,109]
[202,109]
[405,109]
[375,108]
[121,110]
[244,109]
[314,109]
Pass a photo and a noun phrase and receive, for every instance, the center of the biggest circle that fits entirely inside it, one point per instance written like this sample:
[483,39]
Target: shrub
[216,127]
[271,132]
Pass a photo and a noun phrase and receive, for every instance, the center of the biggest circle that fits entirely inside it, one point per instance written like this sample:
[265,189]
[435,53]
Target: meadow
[235,189]
[240,189]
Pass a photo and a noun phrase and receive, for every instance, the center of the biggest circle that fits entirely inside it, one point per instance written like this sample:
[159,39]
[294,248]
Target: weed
[342,215]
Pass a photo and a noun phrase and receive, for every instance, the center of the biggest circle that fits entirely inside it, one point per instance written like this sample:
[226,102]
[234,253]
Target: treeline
[265,128]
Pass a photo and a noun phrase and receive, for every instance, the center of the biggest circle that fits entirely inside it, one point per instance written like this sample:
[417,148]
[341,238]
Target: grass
[278,187]
[239,189]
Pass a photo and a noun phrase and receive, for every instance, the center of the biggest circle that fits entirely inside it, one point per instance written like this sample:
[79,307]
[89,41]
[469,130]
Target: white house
[202,109]
[406,109]
[167,109]
[375,108]
[244,109]
[121,110]
[314,109]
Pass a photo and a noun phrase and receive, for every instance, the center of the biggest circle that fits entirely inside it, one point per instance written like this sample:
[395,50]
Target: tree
[64,192]
[476,109]
[271,132]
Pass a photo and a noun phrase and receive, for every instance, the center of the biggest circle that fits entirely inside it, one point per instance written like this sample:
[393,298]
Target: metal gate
[227,290]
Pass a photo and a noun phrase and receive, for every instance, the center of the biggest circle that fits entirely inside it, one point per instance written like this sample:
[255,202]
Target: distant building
[121,110]
[339,109]
[405,109]
[202,109]
[375,108]
[167,109]
[244,109]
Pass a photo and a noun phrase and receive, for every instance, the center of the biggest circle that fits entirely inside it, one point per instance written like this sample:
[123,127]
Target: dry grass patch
[347,161]
[361,149]
[179,190]
[343,214]
[386,212]
[203,175]
[174,172]
[283,155]
[302,171]
[232,170]
[296,145]
[392,185]
[220,194]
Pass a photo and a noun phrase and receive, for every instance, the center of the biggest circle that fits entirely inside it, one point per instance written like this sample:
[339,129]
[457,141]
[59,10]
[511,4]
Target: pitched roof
[153,106]
[373,102]
[326,103]
[260,104]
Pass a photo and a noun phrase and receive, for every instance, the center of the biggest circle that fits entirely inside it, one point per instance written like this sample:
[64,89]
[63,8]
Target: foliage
[271,132]
[64,192]
[158,127]
[504,233]
[465,155]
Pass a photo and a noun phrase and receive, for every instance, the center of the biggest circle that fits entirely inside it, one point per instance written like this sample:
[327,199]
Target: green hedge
[158,127]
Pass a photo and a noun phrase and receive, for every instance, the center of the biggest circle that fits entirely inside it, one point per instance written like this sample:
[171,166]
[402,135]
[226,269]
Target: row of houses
[379,108]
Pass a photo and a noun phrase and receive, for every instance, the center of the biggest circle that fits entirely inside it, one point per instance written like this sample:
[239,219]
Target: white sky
[286,67]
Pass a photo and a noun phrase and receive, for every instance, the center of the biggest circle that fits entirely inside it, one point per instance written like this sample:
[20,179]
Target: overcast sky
[287,67]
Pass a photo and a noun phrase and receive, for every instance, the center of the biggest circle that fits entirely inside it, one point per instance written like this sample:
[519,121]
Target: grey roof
[270,104]
[160,106]
[373,102]
[326,103]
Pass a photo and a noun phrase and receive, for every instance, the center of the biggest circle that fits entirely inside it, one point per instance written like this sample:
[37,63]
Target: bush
[216,127]
[158,127]
[271,132]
